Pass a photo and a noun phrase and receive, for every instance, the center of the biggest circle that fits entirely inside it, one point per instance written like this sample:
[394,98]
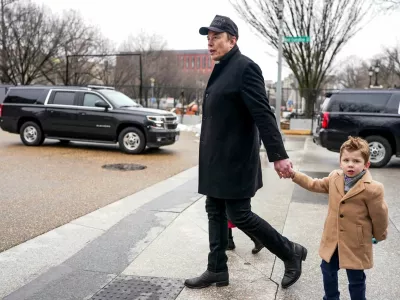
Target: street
[157,237]
[45,187]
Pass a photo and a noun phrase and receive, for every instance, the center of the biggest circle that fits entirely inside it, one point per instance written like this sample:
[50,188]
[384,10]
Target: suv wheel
[31,134]
[132,141]
[380,151]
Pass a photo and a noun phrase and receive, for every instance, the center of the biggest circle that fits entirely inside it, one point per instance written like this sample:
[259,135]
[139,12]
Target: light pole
[152,80]
[370,73]
[376,69]
[279,82]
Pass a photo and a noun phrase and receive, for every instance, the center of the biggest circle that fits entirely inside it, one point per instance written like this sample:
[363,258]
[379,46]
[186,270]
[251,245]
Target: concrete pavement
[143,246]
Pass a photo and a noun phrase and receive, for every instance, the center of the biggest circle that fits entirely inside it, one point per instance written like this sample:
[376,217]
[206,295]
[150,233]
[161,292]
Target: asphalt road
[44,187]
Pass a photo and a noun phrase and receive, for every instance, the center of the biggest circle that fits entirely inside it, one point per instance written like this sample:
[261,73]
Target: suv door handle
[82,113]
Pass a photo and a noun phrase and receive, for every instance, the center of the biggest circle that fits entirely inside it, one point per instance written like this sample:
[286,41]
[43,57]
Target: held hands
[284,168]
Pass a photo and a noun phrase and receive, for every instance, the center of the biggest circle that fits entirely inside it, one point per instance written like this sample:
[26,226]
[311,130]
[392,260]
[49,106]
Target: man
[235,104]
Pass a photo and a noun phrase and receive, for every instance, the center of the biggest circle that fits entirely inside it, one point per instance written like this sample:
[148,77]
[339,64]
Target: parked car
[371,114]
[95,114]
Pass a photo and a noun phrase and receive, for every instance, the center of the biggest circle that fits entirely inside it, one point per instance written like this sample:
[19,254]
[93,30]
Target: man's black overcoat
[235,104]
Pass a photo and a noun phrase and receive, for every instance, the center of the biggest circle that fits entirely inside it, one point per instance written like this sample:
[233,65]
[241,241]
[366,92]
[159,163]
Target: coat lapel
[339,183]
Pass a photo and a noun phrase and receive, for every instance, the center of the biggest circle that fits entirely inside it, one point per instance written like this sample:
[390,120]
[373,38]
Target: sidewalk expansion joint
[86,226]
[394,225]
[166,211]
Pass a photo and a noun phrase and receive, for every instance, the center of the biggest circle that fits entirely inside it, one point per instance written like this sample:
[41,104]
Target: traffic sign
[297,39]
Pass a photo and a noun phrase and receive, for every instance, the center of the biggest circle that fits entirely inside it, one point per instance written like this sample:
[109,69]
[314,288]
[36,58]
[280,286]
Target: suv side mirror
[102,104]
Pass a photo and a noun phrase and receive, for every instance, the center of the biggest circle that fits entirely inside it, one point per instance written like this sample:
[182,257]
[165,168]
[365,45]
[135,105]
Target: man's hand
[283,168]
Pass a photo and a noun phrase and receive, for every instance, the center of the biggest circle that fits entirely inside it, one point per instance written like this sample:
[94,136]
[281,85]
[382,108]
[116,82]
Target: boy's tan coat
[353,218]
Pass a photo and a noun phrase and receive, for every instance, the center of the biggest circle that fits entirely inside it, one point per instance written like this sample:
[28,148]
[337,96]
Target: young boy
[357,213]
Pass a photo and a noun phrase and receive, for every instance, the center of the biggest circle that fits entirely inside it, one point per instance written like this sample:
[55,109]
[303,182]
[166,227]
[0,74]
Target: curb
[296,132]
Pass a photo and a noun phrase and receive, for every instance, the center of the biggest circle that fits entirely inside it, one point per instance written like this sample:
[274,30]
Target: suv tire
[380,151]
[31,134]
[131,140]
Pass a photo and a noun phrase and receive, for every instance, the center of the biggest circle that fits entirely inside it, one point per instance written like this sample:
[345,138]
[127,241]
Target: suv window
[23,96]
[393,106]
[325,105]
[64,98]
[363,102]
[90,99]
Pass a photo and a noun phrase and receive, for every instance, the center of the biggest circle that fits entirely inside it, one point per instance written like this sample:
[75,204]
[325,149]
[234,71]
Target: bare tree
[80,40]
[158,63]
[388,5]
[330,24]
[353,73]
[390,73]
[4,67]
[32,38]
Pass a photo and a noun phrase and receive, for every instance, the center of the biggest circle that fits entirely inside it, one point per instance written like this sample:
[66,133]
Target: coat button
[206,95]
[341,216]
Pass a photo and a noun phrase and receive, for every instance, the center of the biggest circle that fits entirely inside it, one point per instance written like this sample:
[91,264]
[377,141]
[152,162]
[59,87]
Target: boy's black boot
[258,246]
[293,266]
[231,244]
[208,278]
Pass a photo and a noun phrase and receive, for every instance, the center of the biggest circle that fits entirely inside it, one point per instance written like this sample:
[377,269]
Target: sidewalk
[144,246]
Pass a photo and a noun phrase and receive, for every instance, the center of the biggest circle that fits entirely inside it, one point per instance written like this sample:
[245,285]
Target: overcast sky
[178,21]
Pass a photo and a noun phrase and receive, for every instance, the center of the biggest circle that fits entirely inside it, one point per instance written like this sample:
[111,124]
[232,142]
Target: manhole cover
[140,288]
[124,167]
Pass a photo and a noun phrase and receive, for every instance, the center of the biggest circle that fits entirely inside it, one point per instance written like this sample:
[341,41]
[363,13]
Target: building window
[187,63]
[198,62]
[204,62]
[182,62]
[192,62]
[209,62]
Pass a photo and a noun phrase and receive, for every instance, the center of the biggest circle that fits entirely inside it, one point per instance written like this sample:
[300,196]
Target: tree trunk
[310,96]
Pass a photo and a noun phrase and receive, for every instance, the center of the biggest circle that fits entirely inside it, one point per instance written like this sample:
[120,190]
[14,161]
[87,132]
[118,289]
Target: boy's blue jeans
[330,276]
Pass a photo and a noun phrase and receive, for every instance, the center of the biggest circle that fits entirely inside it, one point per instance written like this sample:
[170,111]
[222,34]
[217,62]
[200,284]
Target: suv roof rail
[98,87]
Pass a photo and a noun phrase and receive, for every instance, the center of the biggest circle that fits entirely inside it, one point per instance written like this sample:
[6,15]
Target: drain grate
[140,288]
[124,167]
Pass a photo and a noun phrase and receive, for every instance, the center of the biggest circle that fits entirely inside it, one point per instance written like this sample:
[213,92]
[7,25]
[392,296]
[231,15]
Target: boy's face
[352,163]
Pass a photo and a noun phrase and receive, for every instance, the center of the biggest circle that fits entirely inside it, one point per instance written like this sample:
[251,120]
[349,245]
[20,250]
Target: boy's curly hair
[354,144]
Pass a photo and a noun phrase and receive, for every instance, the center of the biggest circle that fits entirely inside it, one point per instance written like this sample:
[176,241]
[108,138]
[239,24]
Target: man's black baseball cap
[221,24]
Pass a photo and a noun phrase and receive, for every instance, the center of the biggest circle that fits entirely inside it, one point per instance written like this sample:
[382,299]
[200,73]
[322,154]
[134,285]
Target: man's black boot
[293,266]
[208,278]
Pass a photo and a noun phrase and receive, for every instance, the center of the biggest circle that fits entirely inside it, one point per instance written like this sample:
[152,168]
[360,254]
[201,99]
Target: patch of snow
[190,128]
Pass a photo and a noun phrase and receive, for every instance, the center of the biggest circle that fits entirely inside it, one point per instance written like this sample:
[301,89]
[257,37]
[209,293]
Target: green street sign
[297,39]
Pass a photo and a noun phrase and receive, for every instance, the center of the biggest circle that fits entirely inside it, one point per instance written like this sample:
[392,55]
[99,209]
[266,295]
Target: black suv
[94,114]
[370,114]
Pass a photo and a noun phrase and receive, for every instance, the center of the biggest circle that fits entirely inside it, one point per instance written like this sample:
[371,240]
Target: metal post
[141,78]
[66,71]
[279,82]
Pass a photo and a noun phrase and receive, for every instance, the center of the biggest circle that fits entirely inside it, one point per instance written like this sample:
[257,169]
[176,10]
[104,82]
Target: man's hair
[354,144]
[230,36]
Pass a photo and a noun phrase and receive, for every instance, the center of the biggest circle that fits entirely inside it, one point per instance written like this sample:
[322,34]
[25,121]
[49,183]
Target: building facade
[194,61]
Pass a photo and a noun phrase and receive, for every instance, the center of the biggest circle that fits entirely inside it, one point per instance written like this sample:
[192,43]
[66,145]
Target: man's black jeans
[239,212]
[330,275]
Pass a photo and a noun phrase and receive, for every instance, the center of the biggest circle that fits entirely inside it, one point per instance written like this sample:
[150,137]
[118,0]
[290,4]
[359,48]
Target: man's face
[219,44]
[352,163]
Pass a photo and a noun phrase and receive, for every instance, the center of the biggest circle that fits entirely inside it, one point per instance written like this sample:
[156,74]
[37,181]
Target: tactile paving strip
[140,288]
